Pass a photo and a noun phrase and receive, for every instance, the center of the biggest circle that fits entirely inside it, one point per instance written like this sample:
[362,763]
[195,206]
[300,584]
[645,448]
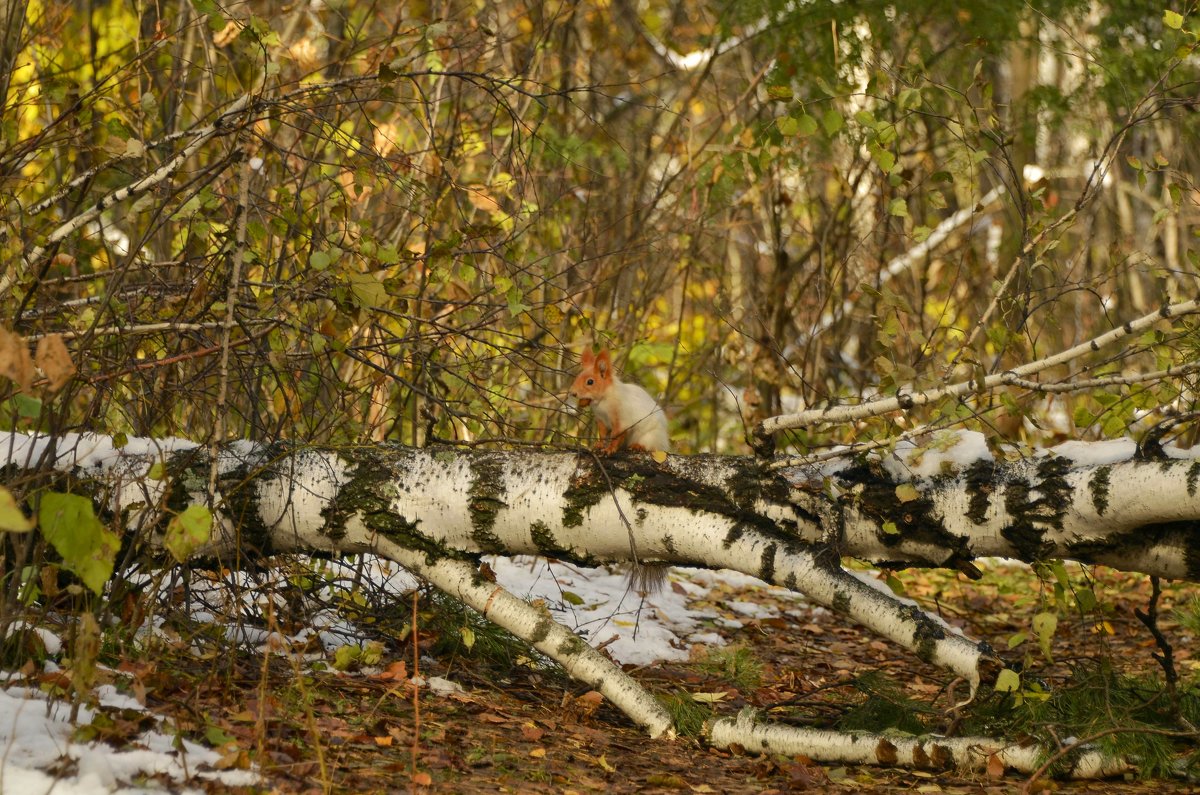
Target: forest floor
[524,729]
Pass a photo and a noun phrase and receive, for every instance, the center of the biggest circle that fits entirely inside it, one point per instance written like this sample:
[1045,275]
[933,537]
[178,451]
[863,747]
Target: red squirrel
[626,416]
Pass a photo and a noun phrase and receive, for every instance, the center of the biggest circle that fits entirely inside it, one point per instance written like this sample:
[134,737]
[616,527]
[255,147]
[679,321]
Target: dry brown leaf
[531,733]
[15,361]
[55,361]
[995,766]
[480,199]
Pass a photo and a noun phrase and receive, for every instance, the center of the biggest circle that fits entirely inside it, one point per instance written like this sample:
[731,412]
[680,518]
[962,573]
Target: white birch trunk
[436,511]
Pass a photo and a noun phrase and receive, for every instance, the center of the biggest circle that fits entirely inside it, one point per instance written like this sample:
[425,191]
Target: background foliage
[444,202]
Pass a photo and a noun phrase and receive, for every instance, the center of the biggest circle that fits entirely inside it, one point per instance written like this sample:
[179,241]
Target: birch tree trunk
[436,511]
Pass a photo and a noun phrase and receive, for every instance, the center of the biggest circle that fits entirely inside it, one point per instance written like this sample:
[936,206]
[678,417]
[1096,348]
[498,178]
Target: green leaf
[158,471]
[368,291]
[1008,681]
[346,656]
[898,208]
[910,98]
[217,738]
[907,492]
[890,529]
[468,637]
[188,531]
[1044,626]
[572,598]
[808,125]
[921,233]
[1017,639]
[28,407]
[882,157]
[12,518]
[87,547]
[833,122]
[1173,19]
[320,260]
[788,126]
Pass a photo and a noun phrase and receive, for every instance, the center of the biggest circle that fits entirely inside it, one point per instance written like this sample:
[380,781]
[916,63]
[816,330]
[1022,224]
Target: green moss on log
[487,499]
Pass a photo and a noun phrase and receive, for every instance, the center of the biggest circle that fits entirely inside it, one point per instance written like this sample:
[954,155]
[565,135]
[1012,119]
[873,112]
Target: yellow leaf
[12,518]
[709,698]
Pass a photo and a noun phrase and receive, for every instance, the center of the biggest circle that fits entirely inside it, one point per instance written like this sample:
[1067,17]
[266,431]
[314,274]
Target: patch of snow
[35,735]
[937,453]
[50,640]
[1096,453]
[633,630]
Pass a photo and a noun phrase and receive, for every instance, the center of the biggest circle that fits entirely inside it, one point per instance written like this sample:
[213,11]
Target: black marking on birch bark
[736,531]
[790,582]
[841,601]
[1193,474]
[668,542]
[1098,485]
[746,486]
[1191,554]
[981,484]
[1021,532]
[370,493]
[1054,489]
[915,520]
[766,569]
[486,495]
[1036,508]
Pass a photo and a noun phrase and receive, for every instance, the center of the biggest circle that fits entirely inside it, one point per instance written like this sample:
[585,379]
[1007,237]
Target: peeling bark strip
[435,511]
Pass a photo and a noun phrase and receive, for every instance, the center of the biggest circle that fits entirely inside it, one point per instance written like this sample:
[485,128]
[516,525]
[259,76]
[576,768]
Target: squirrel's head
[595,377]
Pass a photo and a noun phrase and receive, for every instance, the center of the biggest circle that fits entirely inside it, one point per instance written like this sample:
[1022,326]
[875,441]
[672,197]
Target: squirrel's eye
[591,381]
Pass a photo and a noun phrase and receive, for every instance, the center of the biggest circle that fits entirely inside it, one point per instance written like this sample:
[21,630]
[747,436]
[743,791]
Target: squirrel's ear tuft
[604,361]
